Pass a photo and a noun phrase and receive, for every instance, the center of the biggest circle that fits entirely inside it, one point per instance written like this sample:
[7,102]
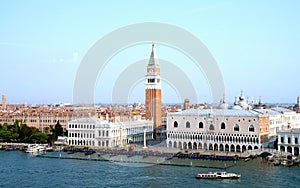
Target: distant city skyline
[256,45]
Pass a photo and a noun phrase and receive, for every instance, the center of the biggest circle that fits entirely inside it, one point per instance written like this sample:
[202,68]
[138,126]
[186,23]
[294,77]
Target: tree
[19,132]
[24,133]
[38,137]
[56,131]
[15,137]
[5,134]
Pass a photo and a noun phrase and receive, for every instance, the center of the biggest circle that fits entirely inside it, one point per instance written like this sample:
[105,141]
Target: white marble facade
[95,132]
[288,141]
[218,129]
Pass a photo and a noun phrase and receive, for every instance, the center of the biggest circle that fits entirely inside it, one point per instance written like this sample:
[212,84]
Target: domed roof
[235,101]
[242,97]
[243,104]
[223,104]
[237,107]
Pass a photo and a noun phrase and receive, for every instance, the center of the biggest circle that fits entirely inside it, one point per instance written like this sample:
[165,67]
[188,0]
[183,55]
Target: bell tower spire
[153,91]
[153,60]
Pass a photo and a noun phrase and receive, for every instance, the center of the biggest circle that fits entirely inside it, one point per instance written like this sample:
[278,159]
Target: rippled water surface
[19,169]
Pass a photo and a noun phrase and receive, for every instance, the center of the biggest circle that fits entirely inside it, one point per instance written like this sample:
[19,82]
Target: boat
[89,152]
[9,149]
[283,163]
[276,162]
[217,175]
[48,148]
[35,148]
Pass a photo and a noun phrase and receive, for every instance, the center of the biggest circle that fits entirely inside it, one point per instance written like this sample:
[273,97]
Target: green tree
[5,134]
[56,131]
[38,137]
[19,132]
[15,137]
[24,133]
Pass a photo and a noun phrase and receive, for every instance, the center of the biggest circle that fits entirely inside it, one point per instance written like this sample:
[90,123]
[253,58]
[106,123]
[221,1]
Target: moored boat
[9,149]
[48,148]
[35,148]
[217,175]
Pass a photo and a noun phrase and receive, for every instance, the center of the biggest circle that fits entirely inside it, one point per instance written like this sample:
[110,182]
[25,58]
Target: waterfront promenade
[161,149]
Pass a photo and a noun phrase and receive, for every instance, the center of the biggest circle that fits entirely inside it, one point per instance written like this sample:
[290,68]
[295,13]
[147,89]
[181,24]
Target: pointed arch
[236,127]
[222,125]
[187,125]
[251,128]
[175,124]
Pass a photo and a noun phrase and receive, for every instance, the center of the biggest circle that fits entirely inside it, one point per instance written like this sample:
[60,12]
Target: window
[289,140]
[236,127]
[151,80]
[296,140]
[211,127]
[188,124]
[251,128]
[222,125]
[282,139]
[201,125]
[175,124]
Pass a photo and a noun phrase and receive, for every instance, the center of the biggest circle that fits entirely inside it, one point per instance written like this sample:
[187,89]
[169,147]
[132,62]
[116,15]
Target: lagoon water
[19,169]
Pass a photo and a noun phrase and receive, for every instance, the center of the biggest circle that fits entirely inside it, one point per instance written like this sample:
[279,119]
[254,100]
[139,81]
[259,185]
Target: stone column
[145,132]
[285,148]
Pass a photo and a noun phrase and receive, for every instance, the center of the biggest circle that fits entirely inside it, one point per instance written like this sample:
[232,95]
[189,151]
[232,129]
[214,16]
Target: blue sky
[256,45]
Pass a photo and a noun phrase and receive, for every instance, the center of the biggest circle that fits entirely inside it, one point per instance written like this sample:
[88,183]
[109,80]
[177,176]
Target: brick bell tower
[153,92]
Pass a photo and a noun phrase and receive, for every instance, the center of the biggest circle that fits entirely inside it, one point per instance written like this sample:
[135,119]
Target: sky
[255,44]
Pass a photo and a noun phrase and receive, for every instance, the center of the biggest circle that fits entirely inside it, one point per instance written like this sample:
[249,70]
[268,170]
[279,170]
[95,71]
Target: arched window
[211,127]
[251,128]
[175,124]
[236,127]
[188,124]
[222,125]
[201,125]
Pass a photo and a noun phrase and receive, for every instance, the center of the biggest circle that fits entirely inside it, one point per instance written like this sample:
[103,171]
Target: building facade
[94,132]
[43,117]
[3,102]
[153,93]
[218,129]
[288,141]
[186,104]
[280,119]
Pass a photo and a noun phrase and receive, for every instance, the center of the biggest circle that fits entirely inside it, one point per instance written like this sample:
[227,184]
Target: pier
[13,146]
